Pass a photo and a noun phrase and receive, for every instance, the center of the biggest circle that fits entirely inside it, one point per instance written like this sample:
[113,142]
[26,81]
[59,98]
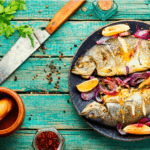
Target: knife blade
[22,49]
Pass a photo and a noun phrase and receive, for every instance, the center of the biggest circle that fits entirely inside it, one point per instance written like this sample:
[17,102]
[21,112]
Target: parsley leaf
[2,1]
[32,41]
[6,14]
[2,28]
[24,31]
[11,10]
[9,31]
[21,5]
[1,8]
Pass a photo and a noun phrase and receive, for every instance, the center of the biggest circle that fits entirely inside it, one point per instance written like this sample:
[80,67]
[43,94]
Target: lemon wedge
[112,30]
[87,85]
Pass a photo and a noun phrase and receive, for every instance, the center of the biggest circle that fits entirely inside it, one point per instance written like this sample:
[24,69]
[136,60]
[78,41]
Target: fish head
[99,113]
[84,66]
[94,110]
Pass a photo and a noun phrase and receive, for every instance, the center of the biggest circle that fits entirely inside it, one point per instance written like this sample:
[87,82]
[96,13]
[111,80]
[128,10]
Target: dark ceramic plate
[80,104]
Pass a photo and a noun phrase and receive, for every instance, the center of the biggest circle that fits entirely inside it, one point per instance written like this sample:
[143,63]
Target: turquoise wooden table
[46,105]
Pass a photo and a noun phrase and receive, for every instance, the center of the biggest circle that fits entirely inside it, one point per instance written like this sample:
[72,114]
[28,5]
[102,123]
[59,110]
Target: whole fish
[127,107]
[114,57]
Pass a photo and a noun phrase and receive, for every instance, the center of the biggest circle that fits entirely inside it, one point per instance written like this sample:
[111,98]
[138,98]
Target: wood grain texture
[74,140]
[70,34]
[35,66]
[129,9]
[51,110]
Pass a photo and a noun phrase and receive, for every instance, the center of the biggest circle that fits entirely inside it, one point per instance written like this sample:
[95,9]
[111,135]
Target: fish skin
[116,59]
[110,113]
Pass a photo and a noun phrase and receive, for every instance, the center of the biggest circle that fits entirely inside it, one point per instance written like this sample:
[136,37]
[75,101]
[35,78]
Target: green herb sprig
[6,15]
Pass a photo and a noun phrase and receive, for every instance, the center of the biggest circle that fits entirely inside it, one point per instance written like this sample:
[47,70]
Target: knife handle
[63,14]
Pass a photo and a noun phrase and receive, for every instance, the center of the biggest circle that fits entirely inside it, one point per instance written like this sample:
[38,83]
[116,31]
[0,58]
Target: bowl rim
[21,111]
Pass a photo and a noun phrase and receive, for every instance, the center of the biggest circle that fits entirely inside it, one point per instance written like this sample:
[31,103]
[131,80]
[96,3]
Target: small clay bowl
[13,121]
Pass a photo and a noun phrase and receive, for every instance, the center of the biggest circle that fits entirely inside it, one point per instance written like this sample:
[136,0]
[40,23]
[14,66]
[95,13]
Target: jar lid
[52,129]
[105,4]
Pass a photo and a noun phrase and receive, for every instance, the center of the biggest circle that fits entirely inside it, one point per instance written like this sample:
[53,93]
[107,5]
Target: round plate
[80,104]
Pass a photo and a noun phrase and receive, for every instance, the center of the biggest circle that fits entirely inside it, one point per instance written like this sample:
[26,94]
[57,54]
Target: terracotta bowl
[13,121]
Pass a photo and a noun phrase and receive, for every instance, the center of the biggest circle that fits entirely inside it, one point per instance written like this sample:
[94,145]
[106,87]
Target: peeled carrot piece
[137,129]
[87,85]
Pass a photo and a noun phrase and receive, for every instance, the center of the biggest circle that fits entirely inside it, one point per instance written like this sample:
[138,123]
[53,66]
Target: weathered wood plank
[70,34]
[74,140]
[35,66]
[126,9]
[51,110]
[67,36]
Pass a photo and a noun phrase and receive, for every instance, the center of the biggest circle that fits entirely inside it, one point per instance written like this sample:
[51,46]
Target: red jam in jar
[47,140]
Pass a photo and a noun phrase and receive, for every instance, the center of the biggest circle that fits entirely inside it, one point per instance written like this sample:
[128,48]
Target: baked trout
[128,106]
[114,58]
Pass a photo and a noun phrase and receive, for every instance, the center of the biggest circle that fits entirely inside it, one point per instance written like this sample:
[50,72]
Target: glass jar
[52,129]
[105,14]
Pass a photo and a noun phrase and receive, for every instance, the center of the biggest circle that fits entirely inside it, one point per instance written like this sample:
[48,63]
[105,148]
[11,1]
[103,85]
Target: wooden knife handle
[63,14]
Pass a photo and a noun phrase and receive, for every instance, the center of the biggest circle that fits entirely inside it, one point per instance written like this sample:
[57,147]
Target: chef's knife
[22,49]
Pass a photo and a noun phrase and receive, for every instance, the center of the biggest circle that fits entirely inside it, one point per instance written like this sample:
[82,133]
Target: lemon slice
[137,129]
[112,30]
[87,85]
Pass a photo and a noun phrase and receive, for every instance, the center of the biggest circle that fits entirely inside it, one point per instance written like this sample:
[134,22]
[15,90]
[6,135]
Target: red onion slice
[146,74]
[103,40]
[91,77]
[137,78]
[119,128]
[144,120]
[115,36]
[96,94]
[118,81]
[138,45]
[88,95]
[125,82]
[111,86]
[143,34]
[108,92]
[139,125]
[147,123]
[126,33]
[127,70]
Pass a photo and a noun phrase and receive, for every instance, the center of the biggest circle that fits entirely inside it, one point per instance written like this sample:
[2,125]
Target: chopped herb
[6,14]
